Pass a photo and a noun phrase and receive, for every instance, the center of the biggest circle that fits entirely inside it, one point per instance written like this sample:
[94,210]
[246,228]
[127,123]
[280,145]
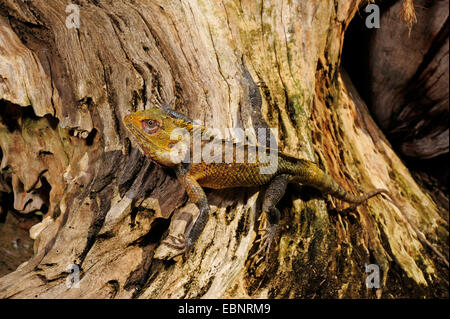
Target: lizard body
[153,128]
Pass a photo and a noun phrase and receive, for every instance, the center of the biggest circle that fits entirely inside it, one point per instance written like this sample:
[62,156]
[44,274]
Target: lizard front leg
[198,197]
[274,193]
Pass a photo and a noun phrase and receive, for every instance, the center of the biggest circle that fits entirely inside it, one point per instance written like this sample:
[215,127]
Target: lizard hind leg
[268,227]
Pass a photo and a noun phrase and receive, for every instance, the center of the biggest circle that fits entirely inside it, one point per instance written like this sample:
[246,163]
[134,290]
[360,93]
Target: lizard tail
[349,198]
[307,173]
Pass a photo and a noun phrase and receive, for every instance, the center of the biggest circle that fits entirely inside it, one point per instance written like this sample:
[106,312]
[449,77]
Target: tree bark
[65,151]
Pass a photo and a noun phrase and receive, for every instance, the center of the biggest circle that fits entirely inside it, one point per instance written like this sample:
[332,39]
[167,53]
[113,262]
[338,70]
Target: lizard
[153,130]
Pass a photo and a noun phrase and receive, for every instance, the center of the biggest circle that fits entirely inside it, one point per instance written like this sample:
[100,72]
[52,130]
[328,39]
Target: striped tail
[307,173]
[342,194]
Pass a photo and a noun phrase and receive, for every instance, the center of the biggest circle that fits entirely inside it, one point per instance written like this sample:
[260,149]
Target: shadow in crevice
[357,53]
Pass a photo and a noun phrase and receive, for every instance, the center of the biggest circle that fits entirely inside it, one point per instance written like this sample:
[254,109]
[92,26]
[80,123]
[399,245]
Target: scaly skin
[152,130]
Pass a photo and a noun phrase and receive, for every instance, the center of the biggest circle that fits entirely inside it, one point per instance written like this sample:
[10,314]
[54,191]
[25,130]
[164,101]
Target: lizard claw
[187,249]
[265,242]
[176,242]
[180,243]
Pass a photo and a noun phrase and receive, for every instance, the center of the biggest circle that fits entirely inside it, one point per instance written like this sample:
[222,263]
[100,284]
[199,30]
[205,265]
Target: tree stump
[65,87]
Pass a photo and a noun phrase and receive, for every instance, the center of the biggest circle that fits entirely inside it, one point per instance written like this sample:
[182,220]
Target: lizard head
[156,133]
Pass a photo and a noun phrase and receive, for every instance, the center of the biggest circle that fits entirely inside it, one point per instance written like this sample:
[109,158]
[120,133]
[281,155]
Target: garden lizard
[154,128]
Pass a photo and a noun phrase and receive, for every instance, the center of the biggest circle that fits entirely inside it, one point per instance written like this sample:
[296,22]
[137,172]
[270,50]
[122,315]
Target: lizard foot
[176,242]
[180,243]
[265,242]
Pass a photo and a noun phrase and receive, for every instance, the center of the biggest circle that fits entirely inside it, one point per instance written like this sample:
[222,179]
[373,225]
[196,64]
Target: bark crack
[188,63]
[52,86]
[286,42]
[219,67]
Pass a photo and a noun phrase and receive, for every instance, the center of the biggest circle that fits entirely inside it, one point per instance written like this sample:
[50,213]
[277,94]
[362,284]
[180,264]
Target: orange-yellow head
[156,133]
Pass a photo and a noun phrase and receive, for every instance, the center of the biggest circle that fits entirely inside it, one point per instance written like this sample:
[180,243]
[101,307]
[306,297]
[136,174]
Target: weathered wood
[109,207]
[406,78]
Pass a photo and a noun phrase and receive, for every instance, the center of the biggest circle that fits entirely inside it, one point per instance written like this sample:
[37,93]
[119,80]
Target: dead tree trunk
[65,87]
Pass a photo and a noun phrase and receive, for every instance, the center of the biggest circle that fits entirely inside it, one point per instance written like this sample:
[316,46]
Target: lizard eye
[150,126]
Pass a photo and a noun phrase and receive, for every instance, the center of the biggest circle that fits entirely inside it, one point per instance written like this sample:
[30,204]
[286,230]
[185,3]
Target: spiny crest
[185,124]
